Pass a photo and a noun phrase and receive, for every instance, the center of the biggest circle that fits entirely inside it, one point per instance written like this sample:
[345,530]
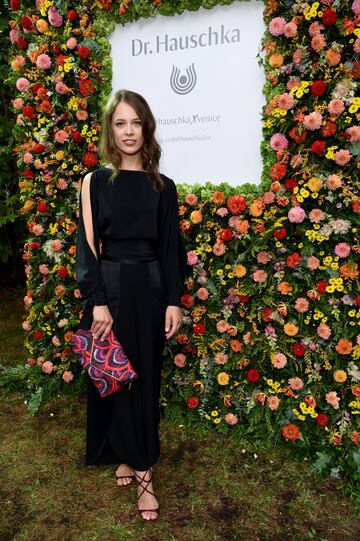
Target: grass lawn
[207,487]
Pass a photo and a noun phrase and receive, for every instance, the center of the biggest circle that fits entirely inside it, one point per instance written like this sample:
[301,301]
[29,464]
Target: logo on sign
[185,82]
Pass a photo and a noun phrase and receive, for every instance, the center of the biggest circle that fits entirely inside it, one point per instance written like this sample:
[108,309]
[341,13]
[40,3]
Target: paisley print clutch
[105,361]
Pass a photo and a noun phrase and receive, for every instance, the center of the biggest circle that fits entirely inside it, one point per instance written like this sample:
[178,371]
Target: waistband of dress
[139,250]
[119,259]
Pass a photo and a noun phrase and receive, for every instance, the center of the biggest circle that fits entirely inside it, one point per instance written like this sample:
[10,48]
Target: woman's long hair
[150,152]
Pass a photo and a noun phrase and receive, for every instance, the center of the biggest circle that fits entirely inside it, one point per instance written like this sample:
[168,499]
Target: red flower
[29,174]
[278,171]
[45,106]
[89,159]
[293,260]
[322,419]
[225,234]
[86,87]
[83,52]
[357,300]
[244,298]
[356,205]
[329,17]
[35,87]
[266,314]
[318,88]
[318,148]
[22,43]
[253,375]
[236,204]
[62,272]
[28,111]
[15,5]
[198,328]
[298,137]
[34,245]
[280,234]
[77,137]
[38,335]
[290,432]
[42,206]
[193,402]
[328,129]
[290,184]
[321,286]
[26,22]
[71,15]
[298,349]
[38,148]
[60,59]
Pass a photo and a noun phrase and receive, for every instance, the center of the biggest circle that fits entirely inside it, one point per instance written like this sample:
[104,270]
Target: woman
[132,284]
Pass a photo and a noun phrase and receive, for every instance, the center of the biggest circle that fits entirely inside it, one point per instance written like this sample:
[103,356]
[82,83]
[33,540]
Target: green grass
[208,489]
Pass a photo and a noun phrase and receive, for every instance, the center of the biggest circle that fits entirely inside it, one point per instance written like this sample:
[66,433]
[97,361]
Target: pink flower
[38,229]
[28,158]
[334,182]
[276,26]
[192,258]
[202,294]
[336,107]
[316,215]
[67,376]
[55,19]
[71,43]
[315,28]
[290,30]
[47,367]
[273,402]
[259,276]
[296,383]
[296,215]
[324,331]
[313,121]
[61,88]
[355,6]
[342,156]
[56,245]
[342,249]
[279,360]
[263,257]
[180,360]
[301,305]
[18,103]
[332,399]
[222,211]
[22,84]
[221,358]
[318,42]
[230,419]
[191,199]
[354,131]
[43,61]
[313,262]
[219,248]
[222,326]
[285,101]
[26,325]
[56,340]
[61,136]
[357,46]
[278,141]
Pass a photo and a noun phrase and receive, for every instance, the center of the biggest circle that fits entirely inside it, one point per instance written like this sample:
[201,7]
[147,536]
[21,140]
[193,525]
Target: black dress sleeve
[172,252]
[88,273]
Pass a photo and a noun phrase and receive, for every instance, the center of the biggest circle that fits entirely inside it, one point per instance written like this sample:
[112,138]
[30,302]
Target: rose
[322,419]
[193,402]
[253,375]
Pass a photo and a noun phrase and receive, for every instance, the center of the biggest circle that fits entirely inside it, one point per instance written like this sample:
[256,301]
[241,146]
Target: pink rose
[22,84]
[231,419]
[180,360]
[55,19]
[47,367]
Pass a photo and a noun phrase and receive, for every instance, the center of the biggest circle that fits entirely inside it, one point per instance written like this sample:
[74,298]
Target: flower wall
[270,343]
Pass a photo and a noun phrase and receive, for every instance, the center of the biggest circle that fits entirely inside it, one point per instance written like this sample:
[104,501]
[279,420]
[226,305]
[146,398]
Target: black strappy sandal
[142,479]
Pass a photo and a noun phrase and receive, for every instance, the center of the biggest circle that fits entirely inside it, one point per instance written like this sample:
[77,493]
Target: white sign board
[199,72]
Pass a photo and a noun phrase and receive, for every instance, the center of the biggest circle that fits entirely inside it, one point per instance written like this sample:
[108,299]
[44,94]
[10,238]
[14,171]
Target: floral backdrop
[270,344]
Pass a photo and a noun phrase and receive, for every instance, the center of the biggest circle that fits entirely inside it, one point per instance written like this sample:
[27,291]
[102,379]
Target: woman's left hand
[173,320]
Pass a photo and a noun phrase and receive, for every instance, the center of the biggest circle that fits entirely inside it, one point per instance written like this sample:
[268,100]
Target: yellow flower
[214,413]
[217,420]
[340,376]
[223,378]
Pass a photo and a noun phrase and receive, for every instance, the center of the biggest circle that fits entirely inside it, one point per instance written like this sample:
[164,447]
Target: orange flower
[236,345]
[276,60]
[256,208]
[315,184]
[340,376]
[242,226]
[239,271]
[349,270]
[290,329]
[218,197]
[284,288]
[196,217]
[344,347]
[291,432]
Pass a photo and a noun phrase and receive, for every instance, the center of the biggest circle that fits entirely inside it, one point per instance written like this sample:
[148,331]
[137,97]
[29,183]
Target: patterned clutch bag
[105,361]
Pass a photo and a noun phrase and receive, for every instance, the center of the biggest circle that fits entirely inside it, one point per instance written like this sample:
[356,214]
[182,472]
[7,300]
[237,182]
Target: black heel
[139,480]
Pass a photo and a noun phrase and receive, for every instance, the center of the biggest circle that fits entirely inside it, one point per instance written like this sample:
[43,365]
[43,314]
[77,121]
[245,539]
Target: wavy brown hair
[150,151]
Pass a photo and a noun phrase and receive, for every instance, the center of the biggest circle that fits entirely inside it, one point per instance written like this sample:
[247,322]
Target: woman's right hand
[102,322]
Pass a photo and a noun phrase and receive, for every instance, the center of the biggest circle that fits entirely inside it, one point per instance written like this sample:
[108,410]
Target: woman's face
[127,129]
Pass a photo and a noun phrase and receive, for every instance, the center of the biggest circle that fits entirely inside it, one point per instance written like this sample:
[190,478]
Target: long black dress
[138,272]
